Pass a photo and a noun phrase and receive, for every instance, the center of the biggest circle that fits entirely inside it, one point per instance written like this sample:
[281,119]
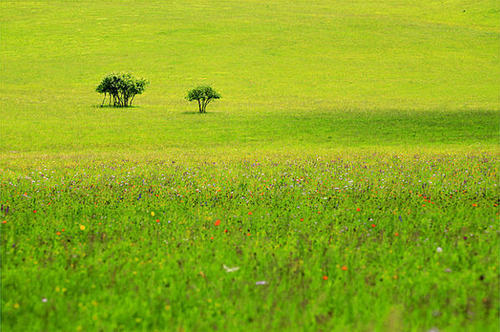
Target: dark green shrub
[121,89]
[203,95]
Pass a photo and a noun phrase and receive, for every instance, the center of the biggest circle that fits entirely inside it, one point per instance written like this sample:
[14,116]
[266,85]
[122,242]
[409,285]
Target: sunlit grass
[336,242]
[347,179]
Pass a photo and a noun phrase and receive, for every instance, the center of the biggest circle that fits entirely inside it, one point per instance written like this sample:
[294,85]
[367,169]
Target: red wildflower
[217,222]
[373,225]
[344,268]
[249,213]
[325,277]
[358,209]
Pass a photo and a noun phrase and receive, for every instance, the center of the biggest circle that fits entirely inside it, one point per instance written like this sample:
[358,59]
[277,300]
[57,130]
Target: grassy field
[346,181]
[338,244]
[328,73]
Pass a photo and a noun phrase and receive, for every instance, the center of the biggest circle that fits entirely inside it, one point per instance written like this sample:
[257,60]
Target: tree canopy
[203,95]
[121,88]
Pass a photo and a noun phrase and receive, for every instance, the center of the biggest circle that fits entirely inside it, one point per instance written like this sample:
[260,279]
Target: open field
[346,181]
[142,245]
[326,73]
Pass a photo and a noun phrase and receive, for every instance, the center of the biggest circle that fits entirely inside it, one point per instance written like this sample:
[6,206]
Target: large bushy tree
[203,95]
[121,89]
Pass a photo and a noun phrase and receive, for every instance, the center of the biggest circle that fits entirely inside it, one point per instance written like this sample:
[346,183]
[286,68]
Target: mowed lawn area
[346,181]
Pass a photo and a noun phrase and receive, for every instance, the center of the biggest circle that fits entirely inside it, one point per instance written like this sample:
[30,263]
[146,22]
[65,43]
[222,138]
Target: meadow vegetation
[347,181]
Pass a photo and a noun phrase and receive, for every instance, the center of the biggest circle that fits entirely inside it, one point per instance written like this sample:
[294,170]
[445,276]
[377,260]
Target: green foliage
[121,88]
[203,94]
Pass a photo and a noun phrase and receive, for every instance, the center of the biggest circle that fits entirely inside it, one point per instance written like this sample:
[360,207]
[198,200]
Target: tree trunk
[120,100]
[102,103]
[205,105]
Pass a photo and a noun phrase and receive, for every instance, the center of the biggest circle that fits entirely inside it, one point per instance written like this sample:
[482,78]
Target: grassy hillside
[290,73]
[346,181]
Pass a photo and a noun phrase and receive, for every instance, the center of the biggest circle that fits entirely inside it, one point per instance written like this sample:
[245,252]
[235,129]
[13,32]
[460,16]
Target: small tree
[121,88]
[203,95]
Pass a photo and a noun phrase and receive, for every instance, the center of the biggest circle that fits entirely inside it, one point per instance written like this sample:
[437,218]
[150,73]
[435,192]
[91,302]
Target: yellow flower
[16,305]
[82,227]
[152,213]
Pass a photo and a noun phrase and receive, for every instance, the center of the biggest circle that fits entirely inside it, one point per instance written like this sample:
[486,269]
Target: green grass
[287,72]
[358,134]
[137,246]
[134,130]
